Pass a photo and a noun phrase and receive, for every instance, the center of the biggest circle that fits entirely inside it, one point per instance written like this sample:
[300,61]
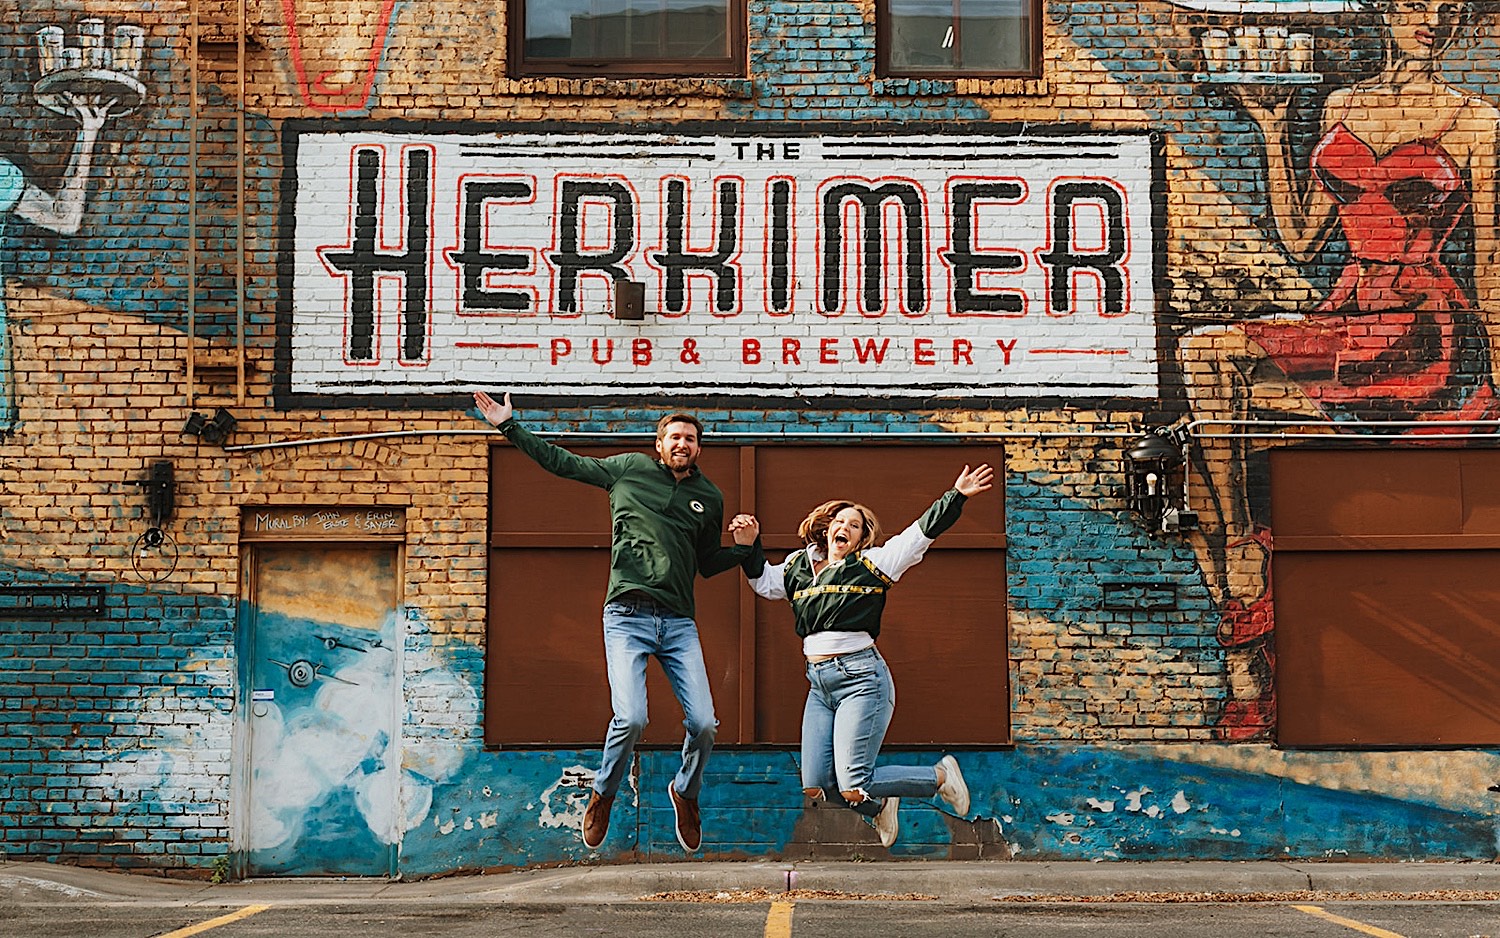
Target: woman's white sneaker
[953,790]
[887,824]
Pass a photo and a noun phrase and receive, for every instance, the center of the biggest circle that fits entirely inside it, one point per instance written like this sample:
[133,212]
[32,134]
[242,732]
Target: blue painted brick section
[66,685]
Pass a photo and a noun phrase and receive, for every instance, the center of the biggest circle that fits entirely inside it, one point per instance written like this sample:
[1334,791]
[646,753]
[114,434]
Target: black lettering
[473,260]
[870,199]
[1062,260]
[678,261]
[966,263]
[569,261]
[362,262]
[780,247]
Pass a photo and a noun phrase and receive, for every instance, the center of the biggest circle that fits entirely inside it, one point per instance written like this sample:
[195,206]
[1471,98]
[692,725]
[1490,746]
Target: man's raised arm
[554,459]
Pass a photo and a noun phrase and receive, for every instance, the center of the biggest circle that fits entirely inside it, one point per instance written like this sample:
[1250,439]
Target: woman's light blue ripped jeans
[850,701]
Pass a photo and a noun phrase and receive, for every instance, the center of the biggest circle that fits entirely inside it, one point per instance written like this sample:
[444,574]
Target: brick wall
[119,743]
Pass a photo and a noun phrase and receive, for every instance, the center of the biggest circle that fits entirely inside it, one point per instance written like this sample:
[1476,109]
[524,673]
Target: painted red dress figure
[1396,332]
[1405,172]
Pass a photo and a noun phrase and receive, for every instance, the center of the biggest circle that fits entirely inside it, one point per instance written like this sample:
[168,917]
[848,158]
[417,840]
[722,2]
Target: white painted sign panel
[915,267]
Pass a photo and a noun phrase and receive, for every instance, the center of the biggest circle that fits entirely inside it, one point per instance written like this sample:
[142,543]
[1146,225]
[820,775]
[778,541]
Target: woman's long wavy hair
[814,528]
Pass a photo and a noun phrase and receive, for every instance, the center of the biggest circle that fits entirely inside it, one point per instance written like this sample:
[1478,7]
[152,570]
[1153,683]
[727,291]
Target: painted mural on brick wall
[95,139]
[1378,186]
[84,80]
[1335,267]
[337,58]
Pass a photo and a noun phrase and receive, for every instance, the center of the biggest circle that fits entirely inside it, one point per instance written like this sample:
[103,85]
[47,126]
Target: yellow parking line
[779,921]
[246,912]
[1347,922]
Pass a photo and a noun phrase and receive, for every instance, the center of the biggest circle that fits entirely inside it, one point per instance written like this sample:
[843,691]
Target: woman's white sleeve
[771,583]
[902,552]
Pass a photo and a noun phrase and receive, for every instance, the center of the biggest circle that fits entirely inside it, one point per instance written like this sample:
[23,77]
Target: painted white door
[319,657]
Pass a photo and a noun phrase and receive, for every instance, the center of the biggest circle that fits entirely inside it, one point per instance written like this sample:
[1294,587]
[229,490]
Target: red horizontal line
[497,345]
[1078,351]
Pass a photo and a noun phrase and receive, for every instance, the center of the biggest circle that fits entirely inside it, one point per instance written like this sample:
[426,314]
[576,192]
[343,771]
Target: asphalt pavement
[31,883]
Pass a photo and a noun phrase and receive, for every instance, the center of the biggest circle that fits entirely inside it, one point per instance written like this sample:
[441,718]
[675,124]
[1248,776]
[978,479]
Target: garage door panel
[1389,492]
[524,497]
[551,639]
[898,483]
[546,681]
[1480,492]
[944,637]
[1384,658]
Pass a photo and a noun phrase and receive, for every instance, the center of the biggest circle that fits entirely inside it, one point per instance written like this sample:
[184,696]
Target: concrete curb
[949,881]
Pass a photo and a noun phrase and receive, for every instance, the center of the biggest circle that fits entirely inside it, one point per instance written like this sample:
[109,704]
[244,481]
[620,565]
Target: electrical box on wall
[630,300]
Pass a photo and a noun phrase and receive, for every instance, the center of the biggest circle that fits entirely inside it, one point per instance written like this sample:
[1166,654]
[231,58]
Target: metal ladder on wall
[215,281]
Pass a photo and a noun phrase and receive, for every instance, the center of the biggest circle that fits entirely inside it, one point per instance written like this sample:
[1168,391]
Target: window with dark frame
[964,38]
[628,38]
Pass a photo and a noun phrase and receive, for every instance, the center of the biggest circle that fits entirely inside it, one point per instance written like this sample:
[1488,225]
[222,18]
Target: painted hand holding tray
[1260,48]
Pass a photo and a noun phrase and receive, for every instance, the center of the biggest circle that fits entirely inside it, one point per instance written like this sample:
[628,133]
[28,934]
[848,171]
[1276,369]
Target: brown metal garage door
[944,631]
[1387,580]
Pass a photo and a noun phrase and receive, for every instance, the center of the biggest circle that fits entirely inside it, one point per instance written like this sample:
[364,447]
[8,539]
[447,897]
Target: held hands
[745,529]
[972,483]
[493,412]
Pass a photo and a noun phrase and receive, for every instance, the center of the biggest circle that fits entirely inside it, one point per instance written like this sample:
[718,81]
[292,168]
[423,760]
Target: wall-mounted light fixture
[1155,470]
[215,429]
[155,554]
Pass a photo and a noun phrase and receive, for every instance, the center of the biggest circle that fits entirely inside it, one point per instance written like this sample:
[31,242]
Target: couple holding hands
[666,521]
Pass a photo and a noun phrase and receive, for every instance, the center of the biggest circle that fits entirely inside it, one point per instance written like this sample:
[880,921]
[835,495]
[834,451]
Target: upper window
[630,38]
[968,38]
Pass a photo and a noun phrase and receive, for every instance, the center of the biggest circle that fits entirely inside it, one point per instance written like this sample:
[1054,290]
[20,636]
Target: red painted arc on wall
[320,87]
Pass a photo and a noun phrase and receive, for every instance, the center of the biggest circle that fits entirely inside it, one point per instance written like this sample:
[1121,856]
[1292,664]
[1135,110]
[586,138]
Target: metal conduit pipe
[929,436]
[1191,429]
[1359,430]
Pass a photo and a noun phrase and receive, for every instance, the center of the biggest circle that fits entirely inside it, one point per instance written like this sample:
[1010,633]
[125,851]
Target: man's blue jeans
[849,705]
[633,632]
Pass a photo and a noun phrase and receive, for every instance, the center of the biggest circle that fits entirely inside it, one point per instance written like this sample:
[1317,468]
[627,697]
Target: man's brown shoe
[689,827]
[596,819]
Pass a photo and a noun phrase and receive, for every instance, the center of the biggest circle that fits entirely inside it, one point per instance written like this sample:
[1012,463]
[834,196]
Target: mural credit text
[321,521]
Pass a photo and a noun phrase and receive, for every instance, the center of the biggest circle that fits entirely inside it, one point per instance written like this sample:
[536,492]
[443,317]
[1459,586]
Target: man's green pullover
[663,531]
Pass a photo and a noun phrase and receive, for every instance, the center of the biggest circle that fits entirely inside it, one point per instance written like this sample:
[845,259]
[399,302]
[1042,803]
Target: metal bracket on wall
[50,602]
[1139,594]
